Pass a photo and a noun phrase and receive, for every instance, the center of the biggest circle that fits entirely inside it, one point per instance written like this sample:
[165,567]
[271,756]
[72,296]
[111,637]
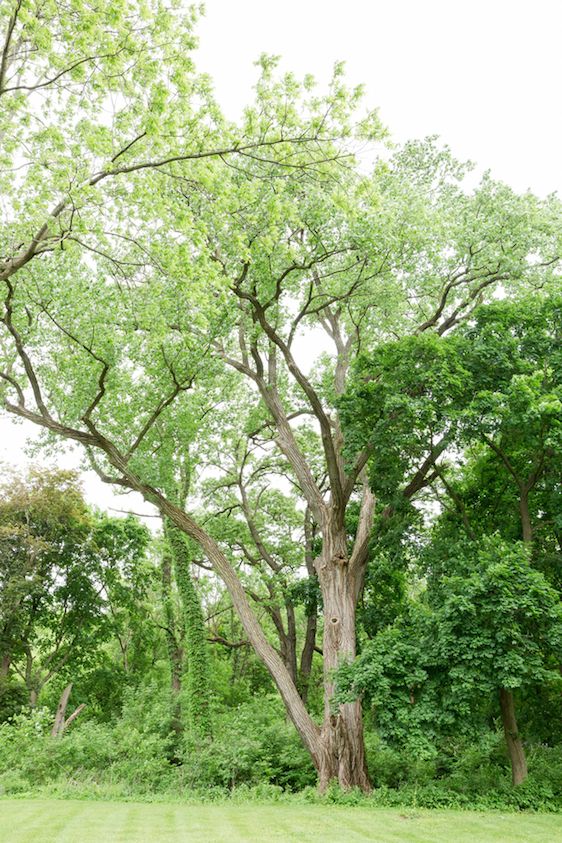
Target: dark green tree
[68,578]
[482,409]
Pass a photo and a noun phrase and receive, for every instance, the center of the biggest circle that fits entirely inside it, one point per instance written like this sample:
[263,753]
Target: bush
[255,755]
[99,753]
[464,774]
[253,745]
[390,767]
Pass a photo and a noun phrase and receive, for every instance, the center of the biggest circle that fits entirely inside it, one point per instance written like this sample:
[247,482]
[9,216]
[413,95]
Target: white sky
[484,75]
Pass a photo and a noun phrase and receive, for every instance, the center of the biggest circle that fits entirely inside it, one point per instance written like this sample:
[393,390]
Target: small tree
[61,578]
[491,627]
[499,629]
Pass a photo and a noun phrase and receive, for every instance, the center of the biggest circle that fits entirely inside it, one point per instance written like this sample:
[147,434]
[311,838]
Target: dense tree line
[337,383]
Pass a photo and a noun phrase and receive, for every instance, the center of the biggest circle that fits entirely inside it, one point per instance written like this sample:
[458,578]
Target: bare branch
[359,555]
[4,60]
[333,463]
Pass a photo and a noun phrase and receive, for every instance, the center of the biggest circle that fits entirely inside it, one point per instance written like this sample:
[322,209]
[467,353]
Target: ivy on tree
[160,268]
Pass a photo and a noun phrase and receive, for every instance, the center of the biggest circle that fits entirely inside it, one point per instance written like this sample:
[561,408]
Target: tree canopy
[166,272]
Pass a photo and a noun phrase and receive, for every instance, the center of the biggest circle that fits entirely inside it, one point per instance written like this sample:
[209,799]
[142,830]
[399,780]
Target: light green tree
[166,271]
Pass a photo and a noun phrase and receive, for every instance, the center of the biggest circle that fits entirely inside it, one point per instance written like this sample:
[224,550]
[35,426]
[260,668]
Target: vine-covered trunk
[337,750]
[197,691]
[342,746]
[513,740]
[173,641]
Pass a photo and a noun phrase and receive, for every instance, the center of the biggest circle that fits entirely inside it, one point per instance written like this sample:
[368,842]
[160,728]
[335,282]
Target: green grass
[54,821]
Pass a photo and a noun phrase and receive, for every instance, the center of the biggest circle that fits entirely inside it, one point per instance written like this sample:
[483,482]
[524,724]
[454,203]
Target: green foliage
[159,267]
[492,386]
[256,756]
[253,744]
[384,594]
[499,622]
[132,751]
[69,580]
[197,689]
[493,623]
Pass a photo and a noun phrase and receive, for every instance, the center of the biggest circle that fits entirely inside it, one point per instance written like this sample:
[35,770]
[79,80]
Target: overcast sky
[485,76]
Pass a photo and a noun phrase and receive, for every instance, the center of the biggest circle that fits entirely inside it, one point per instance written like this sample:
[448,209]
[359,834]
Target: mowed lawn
[58,821]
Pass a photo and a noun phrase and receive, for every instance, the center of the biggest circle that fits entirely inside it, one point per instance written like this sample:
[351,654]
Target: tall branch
[285,437]
[29,251]
[4,60]
[333,463]
[360,551]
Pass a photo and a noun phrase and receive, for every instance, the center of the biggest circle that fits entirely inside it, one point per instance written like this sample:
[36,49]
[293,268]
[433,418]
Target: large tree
[163,275]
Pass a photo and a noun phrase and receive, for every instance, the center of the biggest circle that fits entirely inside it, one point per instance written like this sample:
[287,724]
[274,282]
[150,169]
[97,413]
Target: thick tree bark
[513,740]
[307,656]
[342,743]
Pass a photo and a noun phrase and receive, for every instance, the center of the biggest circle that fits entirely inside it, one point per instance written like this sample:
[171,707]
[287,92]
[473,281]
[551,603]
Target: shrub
[253,744]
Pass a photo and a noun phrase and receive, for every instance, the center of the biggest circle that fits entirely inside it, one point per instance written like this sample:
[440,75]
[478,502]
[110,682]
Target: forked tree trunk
[337,749]
[61,722]
[513,740]
[61,711]
[342,743]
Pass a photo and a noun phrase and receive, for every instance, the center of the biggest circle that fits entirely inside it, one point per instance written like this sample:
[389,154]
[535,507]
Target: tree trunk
[291,654]
[311,605]
[5,665]
[287,637]
[61,711]
[307,656]
[512,738]
[342,743]
[526,527]
[198,691]
[173,642]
